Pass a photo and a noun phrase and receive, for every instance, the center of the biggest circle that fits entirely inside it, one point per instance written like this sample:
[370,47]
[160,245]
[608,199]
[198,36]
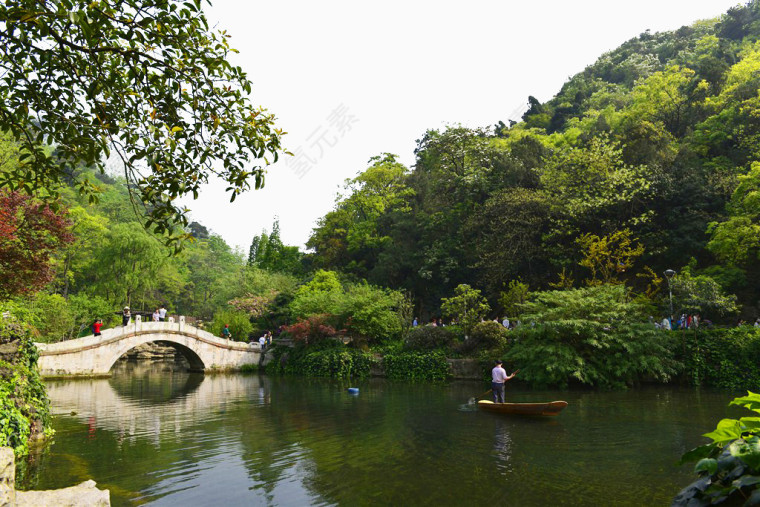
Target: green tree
[608,257]
[511,299]
[507,231]
[351,235]
[666,97]
[267,251]
[54,317]
[215,275]
[467,306]
[373,312]
[737,240]
[364,310]
[147,82]
[321,295]
[126,265]
[253,251]
[701,293]
[593,187]
[88,231]
[239,324]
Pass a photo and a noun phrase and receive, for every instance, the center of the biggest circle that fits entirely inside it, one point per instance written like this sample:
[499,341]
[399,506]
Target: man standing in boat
[498,378]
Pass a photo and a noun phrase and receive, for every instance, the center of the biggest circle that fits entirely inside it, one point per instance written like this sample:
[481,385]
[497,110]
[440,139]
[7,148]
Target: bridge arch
[94,356]
[196,361]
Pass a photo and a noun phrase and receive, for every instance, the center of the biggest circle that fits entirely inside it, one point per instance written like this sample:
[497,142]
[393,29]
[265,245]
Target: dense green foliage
[724,358]
[657,140]
[486,335]
[364,311]
[425,338]
[239,325]
[467,307]
[330,359]
[113,262]
[268,252]
[416,366]
[592,336]
[23,401]
[728,466]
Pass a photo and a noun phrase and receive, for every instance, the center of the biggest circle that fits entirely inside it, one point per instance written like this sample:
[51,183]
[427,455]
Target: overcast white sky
[349,80]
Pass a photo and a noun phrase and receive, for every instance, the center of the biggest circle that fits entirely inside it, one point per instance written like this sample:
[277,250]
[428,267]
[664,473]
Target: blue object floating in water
[353,390]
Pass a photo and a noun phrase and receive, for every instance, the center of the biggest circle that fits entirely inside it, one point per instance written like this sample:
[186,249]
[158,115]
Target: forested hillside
[647,160]
[64,269]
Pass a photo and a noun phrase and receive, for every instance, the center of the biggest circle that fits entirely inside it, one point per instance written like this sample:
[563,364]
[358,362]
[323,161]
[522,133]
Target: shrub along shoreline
[548,356]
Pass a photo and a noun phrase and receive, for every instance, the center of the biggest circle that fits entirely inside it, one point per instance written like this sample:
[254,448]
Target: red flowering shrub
[30,233]
[312,329]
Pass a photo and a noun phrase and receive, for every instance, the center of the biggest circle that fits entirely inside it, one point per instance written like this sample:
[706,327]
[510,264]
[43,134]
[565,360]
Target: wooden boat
[550,408]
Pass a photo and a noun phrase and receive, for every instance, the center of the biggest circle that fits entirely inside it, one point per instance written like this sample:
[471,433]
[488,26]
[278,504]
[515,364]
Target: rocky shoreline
[85,494]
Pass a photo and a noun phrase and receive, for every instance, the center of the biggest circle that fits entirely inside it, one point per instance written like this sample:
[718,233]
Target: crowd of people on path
[158,316]
[126,317]
[685,321]
[438,322]
[694,321]
[264,341]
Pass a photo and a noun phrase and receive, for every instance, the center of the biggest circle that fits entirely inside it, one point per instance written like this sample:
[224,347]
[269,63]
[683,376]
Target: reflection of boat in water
[549,408]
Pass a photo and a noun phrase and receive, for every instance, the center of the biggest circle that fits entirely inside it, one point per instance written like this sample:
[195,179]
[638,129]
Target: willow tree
[145,81]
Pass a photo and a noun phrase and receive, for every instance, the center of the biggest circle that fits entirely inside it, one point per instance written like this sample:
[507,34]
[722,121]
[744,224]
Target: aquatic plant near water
[729,466]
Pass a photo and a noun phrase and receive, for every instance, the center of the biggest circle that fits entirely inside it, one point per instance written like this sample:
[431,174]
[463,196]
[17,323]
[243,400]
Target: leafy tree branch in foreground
[146,80]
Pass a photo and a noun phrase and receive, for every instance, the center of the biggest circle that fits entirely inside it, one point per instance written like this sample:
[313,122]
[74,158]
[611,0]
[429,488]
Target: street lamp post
[669,273]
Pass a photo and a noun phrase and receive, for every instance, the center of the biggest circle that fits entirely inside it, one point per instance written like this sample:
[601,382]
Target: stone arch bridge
[95,355]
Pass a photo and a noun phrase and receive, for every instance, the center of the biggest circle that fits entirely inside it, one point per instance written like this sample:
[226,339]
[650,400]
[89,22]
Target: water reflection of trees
[310,442]
[386,445]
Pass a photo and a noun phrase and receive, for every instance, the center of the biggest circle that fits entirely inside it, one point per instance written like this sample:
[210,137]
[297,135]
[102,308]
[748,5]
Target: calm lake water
[169,438]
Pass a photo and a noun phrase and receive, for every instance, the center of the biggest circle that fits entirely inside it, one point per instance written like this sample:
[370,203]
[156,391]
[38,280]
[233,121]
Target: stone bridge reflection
[149,402]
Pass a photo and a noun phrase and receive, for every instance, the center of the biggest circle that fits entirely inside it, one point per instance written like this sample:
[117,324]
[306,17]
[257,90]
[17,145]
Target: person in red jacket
[96,327]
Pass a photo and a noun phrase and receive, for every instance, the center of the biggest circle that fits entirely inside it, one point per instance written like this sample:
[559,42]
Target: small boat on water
[550,408]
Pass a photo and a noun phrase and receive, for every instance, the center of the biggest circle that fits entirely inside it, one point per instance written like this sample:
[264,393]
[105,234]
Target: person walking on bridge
[126,316]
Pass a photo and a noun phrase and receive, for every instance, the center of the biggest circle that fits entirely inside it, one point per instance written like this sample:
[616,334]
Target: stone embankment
[82,495]
[465,369]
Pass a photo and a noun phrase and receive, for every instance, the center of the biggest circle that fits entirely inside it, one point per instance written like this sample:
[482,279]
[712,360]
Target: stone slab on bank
[85,494]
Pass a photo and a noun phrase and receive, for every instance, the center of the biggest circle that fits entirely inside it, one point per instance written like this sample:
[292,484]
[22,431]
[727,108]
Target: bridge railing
[137,326]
